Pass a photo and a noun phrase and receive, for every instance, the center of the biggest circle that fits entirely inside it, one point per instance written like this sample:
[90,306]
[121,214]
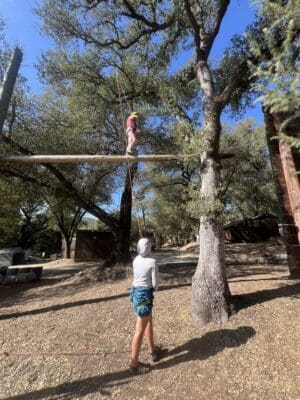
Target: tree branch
[228,182]
[109,220]
[236,81]
[183,183]
[18,174]
[195,26]
[152,24]
[93,4]
[222,8]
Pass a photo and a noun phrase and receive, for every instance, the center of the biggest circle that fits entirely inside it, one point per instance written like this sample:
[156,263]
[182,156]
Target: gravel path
[69,338]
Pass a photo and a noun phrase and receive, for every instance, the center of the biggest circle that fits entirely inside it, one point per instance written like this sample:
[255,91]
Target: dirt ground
[68,336]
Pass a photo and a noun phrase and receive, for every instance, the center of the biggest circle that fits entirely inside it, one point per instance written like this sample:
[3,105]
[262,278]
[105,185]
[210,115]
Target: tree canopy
[277,72]
[113,57]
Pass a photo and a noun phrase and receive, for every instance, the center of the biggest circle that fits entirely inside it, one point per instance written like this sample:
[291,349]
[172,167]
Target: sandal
[140,369]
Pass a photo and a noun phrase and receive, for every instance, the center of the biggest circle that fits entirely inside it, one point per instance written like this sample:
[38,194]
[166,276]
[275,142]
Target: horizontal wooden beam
[80,159]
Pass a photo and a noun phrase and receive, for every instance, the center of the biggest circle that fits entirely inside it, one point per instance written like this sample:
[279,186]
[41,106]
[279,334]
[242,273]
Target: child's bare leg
[134,141]
[128,148]
[149,335]
[141,323]
[131,140]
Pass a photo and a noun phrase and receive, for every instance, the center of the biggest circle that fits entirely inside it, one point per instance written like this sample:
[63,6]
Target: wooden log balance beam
[80,159]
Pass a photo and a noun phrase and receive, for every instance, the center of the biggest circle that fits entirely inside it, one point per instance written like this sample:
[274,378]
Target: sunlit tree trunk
[66,245]
[210,292]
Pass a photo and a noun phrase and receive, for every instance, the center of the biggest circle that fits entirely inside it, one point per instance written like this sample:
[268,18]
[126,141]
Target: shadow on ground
[201,348]
[183,273]
[59,307]
[12,294]
[239,301]
[171,275]
[48,287]
[250,299]
[207,346]
[55,284]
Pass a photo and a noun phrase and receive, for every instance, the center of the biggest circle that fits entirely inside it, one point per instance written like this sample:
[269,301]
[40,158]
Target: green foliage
[278,50]
[199,206]
[9,216]
[247,183]
[48,241]
[113,57]
[31,227]
[169,215]
[65,214]
[293,142]
[248,187]
[121,52]
[22,215]
[277,73]
[26,221]
[137,42]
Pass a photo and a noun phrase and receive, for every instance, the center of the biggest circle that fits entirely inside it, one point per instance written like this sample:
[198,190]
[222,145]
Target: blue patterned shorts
[142,300]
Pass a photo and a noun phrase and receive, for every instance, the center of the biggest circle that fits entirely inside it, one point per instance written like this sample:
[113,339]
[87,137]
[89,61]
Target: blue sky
[23,29]
[22,25]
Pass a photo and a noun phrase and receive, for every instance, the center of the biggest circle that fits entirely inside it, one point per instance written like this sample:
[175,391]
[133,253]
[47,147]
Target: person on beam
[131,131]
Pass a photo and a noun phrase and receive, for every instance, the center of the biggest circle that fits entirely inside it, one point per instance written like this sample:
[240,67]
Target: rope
[133,197]
[48,353]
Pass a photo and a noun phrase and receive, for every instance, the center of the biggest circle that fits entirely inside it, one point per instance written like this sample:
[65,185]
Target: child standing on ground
[131,131]
[145,281]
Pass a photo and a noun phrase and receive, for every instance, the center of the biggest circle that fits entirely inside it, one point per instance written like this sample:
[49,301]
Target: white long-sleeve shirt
[145,272]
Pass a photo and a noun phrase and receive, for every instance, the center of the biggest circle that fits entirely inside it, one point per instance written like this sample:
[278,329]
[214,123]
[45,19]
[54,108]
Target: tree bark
[123,237]
[8,84]
[67,245]
[210,290]
[290,230]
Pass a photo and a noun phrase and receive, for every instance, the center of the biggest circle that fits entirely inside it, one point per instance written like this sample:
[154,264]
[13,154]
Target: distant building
[256,229]
[91,245]
[12,256]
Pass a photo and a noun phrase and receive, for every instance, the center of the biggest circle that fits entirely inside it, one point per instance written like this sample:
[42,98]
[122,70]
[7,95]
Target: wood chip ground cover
[85,327]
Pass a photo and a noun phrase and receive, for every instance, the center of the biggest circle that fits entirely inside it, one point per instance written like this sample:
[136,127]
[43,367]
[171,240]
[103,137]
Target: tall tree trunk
[210,291]
[66,244]
[290,230]
[123,237]
[7,86]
